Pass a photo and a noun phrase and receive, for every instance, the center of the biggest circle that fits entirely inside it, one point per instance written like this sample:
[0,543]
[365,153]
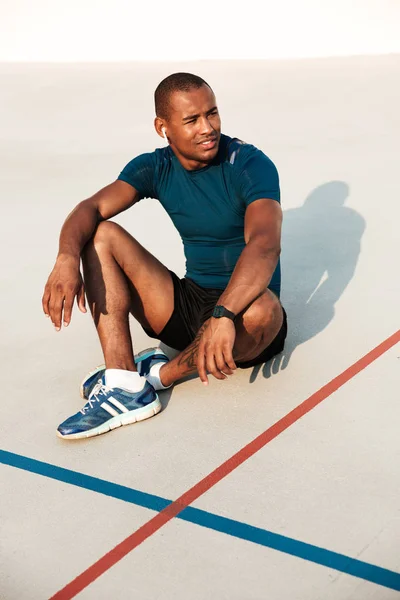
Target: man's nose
[205,126]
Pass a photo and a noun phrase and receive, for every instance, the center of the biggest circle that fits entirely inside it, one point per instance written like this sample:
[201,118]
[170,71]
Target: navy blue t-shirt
[207,206]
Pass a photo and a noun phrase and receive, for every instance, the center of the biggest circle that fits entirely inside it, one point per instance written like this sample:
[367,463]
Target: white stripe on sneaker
[118,404]
[109,409]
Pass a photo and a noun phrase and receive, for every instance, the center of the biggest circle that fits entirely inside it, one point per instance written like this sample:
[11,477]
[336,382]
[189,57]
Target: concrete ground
[310,510]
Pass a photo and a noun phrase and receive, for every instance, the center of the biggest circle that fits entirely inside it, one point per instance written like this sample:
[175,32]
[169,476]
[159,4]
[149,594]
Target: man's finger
[221,363]
[212,367]
[201,364]
[81,299]
[68,303]
[45,301]
[229,358]
[56,311]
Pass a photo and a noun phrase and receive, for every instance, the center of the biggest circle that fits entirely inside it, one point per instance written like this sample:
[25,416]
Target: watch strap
[220,311]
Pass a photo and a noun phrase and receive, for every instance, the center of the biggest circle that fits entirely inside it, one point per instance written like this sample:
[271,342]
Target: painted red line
[140,535]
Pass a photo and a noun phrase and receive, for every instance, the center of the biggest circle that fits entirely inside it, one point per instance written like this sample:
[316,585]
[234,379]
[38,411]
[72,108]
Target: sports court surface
[282,483]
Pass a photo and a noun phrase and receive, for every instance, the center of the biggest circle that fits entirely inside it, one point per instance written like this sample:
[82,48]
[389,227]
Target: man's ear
[160,127]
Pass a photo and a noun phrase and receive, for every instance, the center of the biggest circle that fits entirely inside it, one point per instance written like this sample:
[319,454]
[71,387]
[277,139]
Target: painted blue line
[262,537]
[315,554]
[84,481]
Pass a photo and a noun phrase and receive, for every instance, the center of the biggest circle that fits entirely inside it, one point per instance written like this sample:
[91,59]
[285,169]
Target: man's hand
[65,282]
[215,349]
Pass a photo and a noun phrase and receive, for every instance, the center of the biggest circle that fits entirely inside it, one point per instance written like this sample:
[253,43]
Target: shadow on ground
[320,249]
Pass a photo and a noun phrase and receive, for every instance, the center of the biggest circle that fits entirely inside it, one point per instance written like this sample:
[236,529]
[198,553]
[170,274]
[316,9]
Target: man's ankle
[163,375]
[121,365]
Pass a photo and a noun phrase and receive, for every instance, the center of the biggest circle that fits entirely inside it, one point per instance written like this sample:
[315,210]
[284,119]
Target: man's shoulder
[144,171]
[162,156]
[236,151]
[154,158]
[165,151]
[252,171]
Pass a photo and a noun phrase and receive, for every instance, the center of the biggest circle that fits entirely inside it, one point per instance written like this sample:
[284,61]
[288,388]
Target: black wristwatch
[220,311]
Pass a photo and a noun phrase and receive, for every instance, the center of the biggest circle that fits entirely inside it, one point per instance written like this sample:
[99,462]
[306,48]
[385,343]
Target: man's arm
[83,220]
[258,260]
[250,278]
[65,281]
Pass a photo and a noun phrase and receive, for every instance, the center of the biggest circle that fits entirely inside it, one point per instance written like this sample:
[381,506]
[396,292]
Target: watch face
[218,311]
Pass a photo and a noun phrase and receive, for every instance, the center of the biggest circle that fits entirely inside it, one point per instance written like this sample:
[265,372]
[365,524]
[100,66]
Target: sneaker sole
[133,416]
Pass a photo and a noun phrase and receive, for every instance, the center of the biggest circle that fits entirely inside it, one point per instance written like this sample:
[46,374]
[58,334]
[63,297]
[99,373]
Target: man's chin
[208,154]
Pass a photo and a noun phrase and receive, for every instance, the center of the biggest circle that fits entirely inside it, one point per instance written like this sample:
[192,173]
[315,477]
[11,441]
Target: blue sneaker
[144,360]
[109,408]
[147,358]
[91,380]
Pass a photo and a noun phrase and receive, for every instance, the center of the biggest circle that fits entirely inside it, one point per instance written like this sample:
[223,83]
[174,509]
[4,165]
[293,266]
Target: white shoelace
[99,388]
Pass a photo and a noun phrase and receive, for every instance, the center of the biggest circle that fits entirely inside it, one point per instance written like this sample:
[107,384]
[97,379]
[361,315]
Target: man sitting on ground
[223,197]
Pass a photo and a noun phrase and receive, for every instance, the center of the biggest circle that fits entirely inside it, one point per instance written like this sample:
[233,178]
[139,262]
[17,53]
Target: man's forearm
[250,277]
[78,229]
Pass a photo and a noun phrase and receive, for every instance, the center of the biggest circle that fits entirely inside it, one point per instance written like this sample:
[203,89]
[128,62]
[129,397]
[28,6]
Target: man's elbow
[90,206]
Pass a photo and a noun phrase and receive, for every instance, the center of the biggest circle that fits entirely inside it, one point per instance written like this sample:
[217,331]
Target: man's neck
[193,165]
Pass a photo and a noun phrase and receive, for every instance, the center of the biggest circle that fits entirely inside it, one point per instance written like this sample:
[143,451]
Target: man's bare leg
[256,328]
[122,277]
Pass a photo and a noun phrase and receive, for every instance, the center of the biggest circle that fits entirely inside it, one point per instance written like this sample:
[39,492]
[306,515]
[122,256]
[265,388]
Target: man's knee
[257,327]
[264,313]
[106,232]
[104,236]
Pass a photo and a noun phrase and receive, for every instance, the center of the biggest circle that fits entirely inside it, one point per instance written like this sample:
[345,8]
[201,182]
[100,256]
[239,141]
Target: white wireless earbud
[164,134]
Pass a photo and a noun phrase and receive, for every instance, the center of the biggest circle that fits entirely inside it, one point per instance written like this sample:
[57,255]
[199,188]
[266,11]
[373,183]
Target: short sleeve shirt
[208,205]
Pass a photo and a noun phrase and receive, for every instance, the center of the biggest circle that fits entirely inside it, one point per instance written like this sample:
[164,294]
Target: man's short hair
[177,82]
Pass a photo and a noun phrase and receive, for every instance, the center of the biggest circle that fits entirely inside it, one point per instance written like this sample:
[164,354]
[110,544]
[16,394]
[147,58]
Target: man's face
[194,127]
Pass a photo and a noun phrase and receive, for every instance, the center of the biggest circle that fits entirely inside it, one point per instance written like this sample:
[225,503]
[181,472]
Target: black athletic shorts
[194,305]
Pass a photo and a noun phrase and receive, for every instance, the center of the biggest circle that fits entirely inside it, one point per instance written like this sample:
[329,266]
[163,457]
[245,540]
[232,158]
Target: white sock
[127,380]
[154,377]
